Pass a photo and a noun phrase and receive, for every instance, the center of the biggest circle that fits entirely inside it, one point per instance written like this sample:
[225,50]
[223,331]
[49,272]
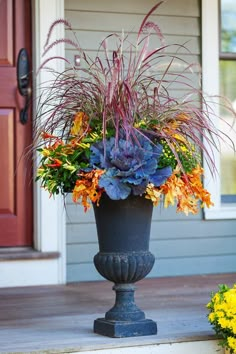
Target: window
[227,69]
[219,77]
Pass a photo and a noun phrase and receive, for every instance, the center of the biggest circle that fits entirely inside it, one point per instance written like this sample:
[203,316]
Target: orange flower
[56,144]
[80,124]
[45,136]
[55,163]
[184,189]
[86,187]
[153,193]
[201,193]
[56,141]
[182,117]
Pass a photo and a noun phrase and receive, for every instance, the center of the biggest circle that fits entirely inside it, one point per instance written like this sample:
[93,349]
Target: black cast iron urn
[123,228]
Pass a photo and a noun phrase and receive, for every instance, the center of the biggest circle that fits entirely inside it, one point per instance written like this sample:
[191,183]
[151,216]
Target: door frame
[49,216]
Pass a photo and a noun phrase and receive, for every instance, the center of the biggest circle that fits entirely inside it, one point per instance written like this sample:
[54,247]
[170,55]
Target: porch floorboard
[59,319]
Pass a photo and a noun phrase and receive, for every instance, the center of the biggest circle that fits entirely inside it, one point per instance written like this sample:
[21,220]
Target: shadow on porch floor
[59,319]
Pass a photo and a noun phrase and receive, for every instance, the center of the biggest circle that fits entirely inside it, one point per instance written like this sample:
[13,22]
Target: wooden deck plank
[59,319]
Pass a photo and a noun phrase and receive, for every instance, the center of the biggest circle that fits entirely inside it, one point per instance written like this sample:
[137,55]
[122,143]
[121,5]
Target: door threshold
[24,253]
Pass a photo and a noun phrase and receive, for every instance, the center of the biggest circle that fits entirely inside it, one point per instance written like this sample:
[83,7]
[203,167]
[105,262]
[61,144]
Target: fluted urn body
[123,229]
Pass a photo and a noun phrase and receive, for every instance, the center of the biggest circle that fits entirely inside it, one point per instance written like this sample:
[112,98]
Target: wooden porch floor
[59,319]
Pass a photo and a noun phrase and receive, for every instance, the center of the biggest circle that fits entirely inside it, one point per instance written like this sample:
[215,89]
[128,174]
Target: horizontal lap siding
[182,245]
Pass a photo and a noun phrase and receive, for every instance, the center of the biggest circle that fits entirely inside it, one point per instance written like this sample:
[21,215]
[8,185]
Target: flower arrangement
[222,316]
[112,126]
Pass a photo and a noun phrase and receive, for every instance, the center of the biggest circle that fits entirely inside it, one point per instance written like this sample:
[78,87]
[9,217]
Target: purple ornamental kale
[129,166]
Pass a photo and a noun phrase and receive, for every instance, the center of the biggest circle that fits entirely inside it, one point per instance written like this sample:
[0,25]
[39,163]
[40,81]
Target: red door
[15,171]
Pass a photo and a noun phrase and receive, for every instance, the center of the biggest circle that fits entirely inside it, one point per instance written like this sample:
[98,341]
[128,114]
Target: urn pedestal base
[124,319]
[122,329]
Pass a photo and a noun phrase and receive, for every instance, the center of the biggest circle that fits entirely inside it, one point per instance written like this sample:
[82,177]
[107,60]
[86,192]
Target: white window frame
[210,84]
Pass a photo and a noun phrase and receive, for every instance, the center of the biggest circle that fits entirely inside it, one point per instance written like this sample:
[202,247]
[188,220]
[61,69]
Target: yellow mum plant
[222,316]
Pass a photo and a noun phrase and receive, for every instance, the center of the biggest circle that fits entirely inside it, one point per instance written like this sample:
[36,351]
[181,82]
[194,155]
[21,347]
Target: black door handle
[23,82]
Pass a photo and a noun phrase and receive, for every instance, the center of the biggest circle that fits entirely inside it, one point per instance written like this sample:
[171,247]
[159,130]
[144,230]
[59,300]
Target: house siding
[182,245]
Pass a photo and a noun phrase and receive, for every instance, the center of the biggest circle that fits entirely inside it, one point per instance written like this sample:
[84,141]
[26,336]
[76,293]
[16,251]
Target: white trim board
[29,273]
[49,216]
[194,347]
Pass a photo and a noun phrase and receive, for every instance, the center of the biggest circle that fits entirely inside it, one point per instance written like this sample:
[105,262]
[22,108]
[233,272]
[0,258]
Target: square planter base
[121,329]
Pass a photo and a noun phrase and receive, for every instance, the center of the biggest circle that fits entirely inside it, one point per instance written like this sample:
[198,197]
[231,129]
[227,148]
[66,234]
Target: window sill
[225,211]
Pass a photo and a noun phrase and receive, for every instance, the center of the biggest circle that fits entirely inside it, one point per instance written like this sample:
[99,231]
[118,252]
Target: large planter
[123,229]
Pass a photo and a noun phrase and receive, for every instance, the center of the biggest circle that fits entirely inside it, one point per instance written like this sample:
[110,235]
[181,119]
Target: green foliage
[182,154]
[61,162]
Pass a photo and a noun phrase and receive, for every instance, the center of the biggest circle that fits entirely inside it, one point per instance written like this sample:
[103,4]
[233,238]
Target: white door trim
[49,217]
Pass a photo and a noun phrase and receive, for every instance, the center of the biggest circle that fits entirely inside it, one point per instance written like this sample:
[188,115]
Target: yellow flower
[220,313]
[223,322]
[140,123]
[232,343]
[223,316]
[211,317]
[84,145]
[45,152]
[69,167]
[216,298]
[40,171]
